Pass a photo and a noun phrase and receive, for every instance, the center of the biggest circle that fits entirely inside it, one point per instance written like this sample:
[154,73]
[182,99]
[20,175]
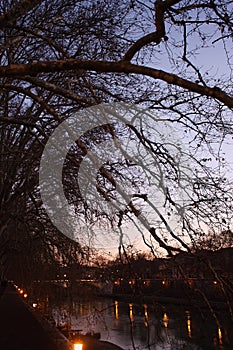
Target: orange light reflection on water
[116,306]
[131,312]
[165,320]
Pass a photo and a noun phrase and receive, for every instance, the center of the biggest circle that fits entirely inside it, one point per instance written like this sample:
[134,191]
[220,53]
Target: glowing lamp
[25,295]
[78,346]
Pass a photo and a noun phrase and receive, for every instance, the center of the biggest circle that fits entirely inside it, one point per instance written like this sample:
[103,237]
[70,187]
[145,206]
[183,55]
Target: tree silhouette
[60,57]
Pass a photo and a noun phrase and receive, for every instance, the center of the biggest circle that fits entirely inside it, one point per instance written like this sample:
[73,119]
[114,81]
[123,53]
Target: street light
[78,346]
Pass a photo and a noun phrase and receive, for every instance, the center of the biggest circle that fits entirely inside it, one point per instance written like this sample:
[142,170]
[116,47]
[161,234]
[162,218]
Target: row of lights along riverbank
[77,346]
[21,291]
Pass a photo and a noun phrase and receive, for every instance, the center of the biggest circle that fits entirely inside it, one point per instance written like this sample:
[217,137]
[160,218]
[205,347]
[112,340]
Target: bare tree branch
[155,37]
[18,11]
[32,69]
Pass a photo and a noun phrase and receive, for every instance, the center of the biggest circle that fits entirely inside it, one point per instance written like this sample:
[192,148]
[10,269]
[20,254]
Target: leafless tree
[63,56]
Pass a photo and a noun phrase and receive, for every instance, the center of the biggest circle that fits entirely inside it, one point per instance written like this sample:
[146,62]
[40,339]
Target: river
[146,326]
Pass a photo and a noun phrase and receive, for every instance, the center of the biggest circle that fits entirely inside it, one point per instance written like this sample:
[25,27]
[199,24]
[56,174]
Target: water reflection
[188,320]
[126,324]
[131,312]
[146,315]
[220,335]
[165,320]
[116,309]
[218,339]
[145,312]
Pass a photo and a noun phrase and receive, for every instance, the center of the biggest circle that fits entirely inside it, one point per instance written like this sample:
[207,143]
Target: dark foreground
[21,330]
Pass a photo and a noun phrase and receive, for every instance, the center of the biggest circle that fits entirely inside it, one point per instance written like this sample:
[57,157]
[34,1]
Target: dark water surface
[147,326]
